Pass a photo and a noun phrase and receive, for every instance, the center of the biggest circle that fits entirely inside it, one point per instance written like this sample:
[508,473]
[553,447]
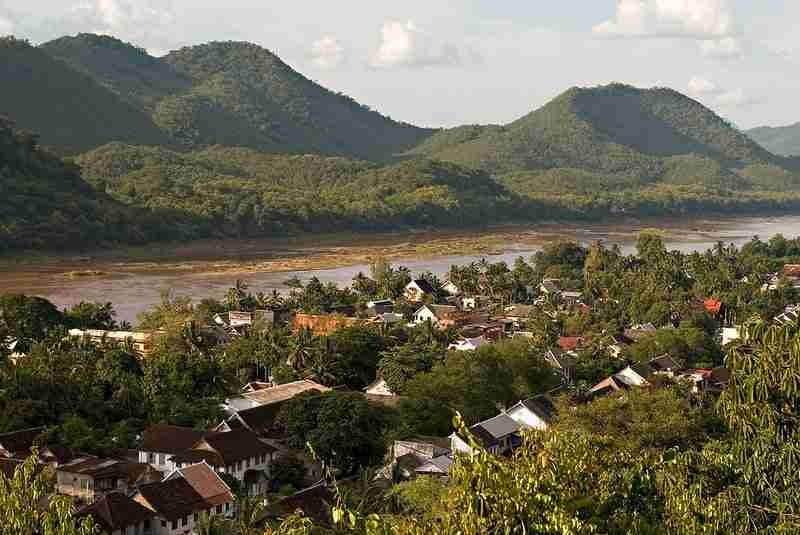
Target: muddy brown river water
[134,285]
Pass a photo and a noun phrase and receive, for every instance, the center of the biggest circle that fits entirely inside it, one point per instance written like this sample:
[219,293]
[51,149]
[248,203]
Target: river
[133,290]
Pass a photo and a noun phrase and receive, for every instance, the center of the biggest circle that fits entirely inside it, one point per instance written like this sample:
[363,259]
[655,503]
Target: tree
[91,316]
[342,428]
[27,319]
[20,499]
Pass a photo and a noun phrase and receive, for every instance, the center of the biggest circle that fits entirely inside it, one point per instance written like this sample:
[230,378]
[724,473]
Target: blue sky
[448,62]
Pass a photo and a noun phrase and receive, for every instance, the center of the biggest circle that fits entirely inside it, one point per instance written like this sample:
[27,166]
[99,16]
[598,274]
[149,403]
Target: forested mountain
[127,70]
[44,203]
[235,94]
[68,109]
[783,140]
[616,136]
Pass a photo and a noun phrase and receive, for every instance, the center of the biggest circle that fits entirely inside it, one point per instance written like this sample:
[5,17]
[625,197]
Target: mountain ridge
[783,140]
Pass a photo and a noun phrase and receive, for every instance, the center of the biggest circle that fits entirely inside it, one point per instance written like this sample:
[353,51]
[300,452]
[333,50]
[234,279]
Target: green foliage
[72,111]
[784,140]
[342,428]
[22,511]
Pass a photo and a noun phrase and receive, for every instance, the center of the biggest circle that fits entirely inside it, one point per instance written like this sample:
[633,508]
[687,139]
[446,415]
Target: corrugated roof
[280,393]
[500,426]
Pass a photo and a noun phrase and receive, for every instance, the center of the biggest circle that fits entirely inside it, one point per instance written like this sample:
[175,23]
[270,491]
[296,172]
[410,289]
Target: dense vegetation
[44,203]
[625,137]
[71,111]
[784,140]
[660,459]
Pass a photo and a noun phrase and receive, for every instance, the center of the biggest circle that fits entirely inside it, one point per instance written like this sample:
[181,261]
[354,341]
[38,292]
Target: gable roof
[542,406]
[712,306]
[500,426]
[665,363]
[173,499]
[207,483]
[233,446]
[314,501]
[437,465]
[423,285]
[439,311]
[97,468]
[644,370]
[258,419]
[611,383]
[115,511]
[570,343]
[162,438]
[277,394]
[20,442]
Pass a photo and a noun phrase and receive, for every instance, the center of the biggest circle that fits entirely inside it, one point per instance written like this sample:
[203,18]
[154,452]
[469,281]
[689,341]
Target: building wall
[159,461]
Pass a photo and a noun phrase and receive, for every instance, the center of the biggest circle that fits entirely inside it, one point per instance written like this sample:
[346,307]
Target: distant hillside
[784,140]
[226,93]
[46,205]
[242,192]
[280,108]
[68,109]
[127,70]
[621,137]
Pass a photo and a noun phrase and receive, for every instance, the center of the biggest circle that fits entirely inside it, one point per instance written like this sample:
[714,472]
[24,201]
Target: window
[151,458]
[174,524]
[219,509]
[163,523]
[183,521]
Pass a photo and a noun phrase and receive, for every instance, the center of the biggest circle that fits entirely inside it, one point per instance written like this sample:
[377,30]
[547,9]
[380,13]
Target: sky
[449,62]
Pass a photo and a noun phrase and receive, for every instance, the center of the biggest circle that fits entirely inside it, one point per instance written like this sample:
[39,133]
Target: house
[161,442]
[633,375]
[417,290]
[570,343]
[178,501]
[474,302]
[617,343]
[665,365]
[518,314]
[713,307]
[271,396]
[498,435]
[439,315]
[379,388]
[380,307]
[117,514]
[638,332]
[533,413]
[18,444]
[315,502]
[87,478]
[571,298]
[388,318]
[563,362]
[141,342]
[437,467]
[468,344]
[550,287]
[238,453]
[451,288]
[407,456]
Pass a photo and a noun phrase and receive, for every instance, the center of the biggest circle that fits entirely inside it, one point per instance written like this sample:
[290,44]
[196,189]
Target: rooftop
[277,394]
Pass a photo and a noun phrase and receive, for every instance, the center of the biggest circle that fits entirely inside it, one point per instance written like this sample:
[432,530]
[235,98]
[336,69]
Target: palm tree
[212,525]
[249,514]
[300,349]
[321,366]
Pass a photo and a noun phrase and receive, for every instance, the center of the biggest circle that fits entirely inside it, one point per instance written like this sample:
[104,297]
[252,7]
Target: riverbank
[326,251]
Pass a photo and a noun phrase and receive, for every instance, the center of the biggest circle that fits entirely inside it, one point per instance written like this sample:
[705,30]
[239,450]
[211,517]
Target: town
[247,411]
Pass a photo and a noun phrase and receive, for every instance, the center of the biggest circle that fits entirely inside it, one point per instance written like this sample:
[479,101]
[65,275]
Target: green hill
[784,140]
[618,137]
[242,192]
[128,71]
[70,111]
[234,94]
[288,112]
[46,205]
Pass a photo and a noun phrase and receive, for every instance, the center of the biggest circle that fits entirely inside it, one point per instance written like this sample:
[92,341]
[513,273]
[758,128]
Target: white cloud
[109,16]
[6,26]
[327,53]
[710,22]
[403,44]
[708,91]
[727,47]
[699,86]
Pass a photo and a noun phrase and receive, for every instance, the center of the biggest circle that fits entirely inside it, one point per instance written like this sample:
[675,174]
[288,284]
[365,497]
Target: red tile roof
[570,343]
[161,438]
[712,306]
